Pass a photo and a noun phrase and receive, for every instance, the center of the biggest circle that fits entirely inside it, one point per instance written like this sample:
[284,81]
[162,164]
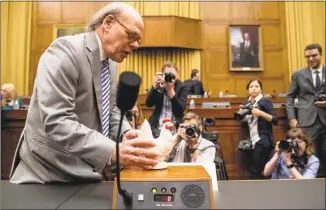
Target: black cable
[127,197]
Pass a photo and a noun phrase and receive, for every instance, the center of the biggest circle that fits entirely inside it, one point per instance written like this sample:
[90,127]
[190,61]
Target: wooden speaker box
[177,187]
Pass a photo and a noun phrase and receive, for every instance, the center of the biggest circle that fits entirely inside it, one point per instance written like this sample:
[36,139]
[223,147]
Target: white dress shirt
[314,75]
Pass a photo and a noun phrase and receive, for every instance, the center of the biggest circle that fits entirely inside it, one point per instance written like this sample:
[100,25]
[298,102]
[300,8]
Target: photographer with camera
[308,85]
[293,158]
[189,146]
[258,117]
[135,117]
[168,95]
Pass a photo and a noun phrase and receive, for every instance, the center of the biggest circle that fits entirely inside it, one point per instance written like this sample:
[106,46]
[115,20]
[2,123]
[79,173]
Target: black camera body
[192,130]
[168,77]
[130,115]
[246,109]
[288,145]
[320,97]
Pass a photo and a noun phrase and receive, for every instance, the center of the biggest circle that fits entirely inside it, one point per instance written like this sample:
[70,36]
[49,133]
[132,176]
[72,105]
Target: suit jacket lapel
[323,79]
[113,78]
[93,55]
[177,87]
[309,77]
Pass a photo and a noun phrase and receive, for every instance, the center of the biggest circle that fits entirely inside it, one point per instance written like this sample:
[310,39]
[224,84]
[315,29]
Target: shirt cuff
[109,163]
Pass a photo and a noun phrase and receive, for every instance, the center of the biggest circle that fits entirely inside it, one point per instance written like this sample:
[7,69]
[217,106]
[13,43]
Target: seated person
[8,97]
[188,145]
[194,85]
[135,117]
[168,95]
[298,163]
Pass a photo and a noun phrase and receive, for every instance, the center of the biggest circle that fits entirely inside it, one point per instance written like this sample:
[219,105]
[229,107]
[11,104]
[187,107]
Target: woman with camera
[258,116]
[168,95]
[189,146]
[293,158]
[135,117]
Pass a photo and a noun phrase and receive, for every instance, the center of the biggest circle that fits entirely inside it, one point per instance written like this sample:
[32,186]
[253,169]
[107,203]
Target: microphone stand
[127,196]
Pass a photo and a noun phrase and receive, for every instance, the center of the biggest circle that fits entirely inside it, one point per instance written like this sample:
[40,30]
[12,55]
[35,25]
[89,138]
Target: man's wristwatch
[290,166]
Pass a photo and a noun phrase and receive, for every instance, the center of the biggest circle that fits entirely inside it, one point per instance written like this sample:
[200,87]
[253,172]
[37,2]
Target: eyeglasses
[132,36]
[299,141]
[313,56]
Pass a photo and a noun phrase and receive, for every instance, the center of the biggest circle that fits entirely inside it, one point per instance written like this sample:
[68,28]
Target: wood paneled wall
[45,15]
[217,16]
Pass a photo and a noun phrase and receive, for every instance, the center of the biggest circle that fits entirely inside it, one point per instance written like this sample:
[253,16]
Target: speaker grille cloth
[193,196]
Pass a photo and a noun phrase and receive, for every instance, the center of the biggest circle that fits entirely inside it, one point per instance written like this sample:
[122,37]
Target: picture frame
[245,48]
[60,30]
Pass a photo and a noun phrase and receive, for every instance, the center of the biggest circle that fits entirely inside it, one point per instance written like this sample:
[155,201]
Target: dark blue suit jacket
[155,98]
[265,128]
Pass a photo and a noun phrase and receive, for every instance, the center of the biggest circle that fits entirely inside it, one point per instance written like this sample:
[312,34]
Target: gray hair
[114,9]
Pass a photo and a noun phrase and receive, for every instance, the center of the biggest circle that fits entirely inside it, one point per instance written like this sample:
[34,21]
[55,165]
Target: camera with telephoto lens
[192,130]
[246,109]
[288,145]
[320,97]
[168,77]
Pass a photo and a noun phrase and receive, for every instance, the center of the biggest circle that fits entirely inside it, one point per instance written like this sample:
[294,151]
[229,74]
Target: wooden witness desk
[230,133]
[12,124]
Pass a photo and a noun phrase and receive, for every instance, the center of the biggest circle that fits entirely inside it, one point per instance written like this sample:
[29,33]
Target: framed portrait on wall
[67,30]
[245,48]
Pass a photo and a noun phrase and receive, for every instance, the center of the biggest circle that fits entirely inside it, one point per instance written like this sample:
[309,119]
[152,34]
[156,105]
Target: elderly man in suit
[307,84]
[72,117]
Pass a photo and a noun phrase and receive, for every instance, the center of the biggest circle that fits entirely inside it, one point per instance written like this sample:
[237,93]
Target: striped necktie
[106,96]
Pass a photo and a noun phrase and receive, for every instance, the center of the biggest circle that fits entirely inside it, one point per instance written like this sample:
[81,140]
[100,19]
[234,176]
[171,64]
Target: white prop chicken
[163,142]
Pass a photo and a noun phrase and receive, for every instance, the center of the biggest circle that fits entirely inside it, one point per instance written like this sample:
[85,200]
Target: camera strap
[300,162]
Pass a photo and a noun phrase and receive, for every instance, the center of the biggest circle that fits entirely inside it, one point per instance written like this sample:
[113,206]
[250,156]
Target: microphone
[127,93]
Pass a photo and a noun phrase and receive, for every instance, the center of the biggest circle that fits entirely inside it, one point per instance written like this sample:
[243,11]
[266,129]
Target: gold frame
[70,29]
[258,59]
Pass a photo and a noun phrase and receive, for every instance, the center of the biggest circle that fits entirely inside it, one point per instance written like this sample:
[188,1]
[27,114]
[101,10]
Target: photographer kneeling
[293,158]
[188,145]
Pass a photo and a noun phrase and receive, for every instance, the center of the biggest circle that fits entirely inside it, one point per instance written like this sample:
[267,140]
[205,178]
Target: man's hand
[293,123]
[277,150]
[158,80]
[321,103]
[169,87]
[131,134]
[287,157]
[136,152]
[181,132]
[256,112]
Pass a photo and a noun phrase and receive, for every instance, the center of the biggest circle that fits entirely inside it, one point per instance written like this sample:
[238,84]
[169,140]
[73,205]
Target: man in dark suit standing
[168,95]
[247,52]
[194,85]
[308,84]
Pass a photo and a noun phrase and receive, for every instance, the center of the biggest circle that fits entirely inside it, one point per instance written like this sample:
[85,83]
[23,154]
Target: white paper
[209,167]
